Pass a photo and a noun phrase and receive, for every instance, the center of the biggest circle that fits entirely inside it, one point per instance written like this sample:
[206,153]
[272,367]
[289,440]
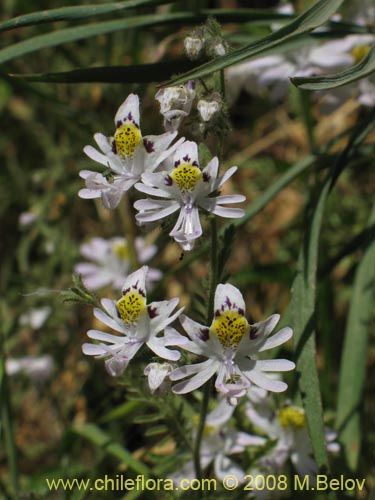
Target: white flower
[36,317]
[137,322]
[37,368]
[207,109]
[231,346]
[157,374]
[288,427]
[186,188]
[110,261]
[193,47]
[339,54]
[220,441]
[127,156]
[175,104]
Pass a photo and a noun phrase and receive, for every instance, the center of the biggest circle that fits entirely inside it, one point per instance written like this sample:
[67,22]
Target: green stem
[6,419]
[200,430]
[210,315]
[213,270]
[128,222]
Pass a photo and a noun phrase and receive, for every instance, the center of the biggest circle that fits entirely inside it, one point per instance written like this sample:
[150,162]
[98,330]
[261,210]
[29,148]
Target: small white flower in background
[35,318]
[126,156]
[110,262]
[38,368]
[231,347]
[186,188]
[193,47]
[175,104]
[288,427]
[220,441]
[157,374]
[207,109]
[137,322]
[27,218]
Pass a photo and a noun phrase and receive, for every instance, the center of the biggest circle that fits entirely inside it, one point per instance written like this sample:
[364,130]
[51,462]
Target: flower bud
[193,47]
[207,109]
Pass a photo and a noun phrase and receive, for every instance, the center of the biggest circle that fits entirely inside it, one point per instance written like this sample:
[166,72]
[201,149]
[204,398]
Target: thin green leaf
[90,30]
[99,438]
[123,410]
[81,32]
[137,73]
[75,12]
[353,362]
[303,310]
[318,14]
[303,302]
[259,203]
[363,69]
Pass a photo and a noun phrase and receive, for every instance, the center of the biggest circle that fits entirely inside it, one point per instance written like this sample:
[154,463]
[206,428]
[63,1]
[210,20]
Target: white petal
[188,370]
[265,382]
[157,346]
[136,280]
[92,349]
[279,338]
[228,297]
[196,381]
[95,155]
[151,191]
[107,320]
[226,176]
[154,215]
[227,212]
[130,105]
[103,143]
[106,337]
[187,153]
[275,365]
[89,194]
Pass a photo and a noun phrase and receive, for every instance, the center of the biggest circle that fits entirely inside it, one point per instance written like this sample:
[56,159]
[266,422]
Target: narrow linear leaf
[361,70]
[303,302]
[353,365]
[99,438]
[80,32]
[75,12]
[137,73]
[259,203]
[303,310]
[73,34]
[318,14]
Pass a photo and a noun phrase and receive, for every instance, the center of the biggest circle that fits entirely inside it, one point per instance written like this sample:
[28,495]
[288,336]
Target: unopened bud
[207,109]
[193,47]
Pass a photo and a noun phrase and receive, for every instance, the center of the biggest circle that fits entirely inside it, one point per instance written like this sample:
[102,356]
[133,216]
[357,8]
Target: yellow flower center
[131,306]
[230,327]
[292,417]
[360,52]
[127,138]
[186,176]
[120,249]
